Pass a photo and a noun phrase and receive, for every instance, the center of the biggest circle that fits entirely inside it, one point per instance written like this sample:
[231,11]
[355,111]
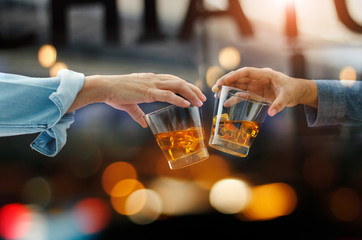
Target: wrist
[309,93]
[94,90]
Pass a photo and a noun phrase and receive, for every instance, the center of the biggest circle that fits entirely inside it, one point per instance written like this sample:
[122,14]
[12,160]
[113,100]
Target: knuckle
[168,94]
[148,95]
[180,84]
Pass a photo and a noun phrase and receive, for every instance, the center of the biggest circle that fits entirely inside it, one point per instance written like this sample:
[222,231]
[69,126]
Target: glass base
[189,159]
[228,147]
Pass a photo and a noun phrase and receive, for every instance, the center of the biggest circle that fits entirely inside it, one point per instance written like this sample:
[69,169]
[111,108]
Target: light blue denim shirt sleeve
[30,105]
[337,104]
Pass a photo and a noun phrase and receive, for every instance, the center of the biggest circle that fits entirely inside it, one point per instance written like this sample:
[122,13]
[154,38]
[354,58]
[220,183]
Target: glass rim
[263,101]
[166,108]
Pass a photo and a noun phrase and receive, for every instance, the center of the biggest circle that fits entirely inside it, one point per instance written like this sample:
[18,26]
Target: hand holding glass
[179,134]
[238,115]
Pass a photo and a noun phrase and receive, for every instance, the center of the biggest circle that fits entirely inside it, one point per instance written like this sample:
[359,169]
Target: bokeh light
[230,195]
[207,173]
[115,173]
[53,71]
[121,192]
[229,58]
[125,187]
[179,196]
[144,206]
[271,201]
[348,76]
[92,215]
[47,55]
[37,191]
[345,204]
[39,226]
[213,73]
[15,221]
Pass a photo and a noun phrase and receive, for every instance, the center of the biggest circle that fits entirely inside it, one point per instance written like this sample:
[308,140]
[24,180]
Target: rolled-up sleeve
[39,105]
[337,104]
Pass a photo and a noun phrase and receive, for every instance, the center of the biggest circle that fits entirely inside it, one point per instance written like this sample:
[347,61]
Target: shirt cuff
[53,139]
[331,105]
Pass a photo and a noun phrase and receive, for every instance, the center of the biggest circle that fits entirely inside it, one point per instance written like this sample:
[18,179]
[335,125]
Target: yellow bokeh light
[47,55]
[348,76]
[229,58]
[345,204]
[124,187]
[115,173]
[213,73]
[53,71]
[119,195]
[270,201]
[230,195]
[146,206]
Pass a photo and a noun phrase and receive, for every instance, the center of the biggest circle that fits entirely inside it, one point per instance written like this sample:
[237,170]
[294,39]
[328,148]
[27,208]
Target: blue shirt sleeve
[337,104]
[30,105]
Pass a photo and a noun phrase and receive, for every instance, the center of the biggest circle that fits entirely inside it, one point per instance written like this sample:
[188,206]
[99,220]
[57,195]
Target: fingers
[135,112]
[227,79]
[170,97]
[177,85]
[242,77]
[238,97]
[180,81]
[278,105]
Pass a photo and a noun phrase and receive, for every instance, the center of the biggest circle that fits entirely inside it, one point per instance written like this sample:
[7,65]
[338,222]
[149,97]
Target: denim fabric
[337,104]
[30,105]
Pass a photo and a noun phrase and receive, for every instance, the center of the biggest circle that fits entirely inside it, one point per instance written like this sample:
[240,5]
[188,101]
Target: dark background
[323,165]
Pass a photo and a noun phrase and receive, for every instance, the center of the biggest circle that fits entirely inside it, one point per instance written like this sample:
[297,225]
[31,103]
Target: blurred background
[111,180]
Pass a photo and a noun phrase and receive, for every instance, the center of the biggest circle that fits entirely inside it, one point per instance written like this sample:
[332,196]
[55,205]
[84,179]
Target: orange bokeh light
[47,55]
[115,173]
[270,201]
[146,205]
[348,76]
[53,71]
[121,192]
[229,58]
[345,204]
[348,73]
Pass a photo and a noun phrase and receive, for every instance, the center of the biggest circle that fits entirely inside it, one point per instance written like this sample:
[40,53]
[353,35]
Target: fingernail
[214,88]
[204,98]
[187,103]
[200,103]
[273,112]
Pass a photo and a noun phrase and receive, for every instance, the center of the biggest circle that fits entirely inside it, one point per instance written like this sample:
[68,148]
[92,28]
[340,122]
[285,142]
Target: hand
[124,92]
[282,90]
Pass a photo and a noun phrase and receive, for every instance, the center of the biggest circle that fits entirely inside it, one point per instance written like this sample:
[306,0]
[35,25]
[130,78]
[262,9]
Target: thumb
[278,105]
